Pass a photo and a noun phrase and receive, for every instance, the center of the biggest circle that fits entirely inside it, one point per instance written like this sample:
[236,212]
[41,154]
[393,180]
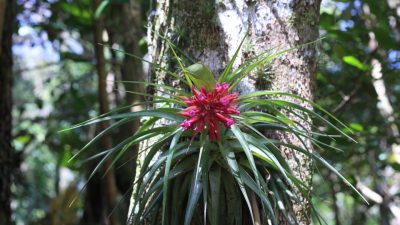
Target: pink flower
[209,109]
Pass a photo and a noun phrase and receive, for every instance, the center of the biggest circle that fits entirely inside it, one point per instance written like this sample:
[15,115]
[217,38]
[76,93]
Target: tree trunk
[132,70]
[388,208]
[3,5]
[125,28]
[7,164]
[210,32]
[102,194]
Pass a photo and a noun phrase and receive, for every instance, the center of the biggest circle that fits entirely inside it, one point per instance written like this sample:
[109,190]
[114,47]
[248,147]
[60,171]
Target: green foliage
[201,76]
[38,116]
[345,87]
[184,174]
[353,61]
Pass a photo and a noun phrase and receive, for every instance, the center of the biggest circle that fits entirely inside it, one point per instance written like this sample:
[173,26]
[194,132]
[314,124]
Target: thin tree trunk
[6,151]
[3,5]
[132,70]
[387,191]
[387,207]
[210,33]
[126,29]
[359,215]
[334,189]
[110,191]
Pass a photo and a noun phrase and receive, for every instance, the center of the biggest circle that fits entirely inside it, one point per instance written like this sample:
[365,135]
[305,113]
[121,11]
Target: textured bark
[294,23]
[210,32]
[7,158]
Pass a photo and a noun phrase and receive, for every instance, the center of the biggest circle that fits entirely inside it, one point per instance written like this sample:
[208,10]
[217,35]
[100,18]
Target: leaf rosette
[213,162]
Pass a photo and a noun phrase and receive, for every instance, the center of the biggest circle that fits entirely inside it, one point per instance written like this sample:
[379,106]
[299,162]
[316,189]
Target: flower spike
[210,109]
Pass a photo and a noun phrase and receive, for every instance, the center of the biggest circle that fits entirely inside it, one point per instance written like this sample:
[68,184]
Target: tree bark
[131,70]
[7,164]
[210,32]
[101,191]
[3,5]
[125,28]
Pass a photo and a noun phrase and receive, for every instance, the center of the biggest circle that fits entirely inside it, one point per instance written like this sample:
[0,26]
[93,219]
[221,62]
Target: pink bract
[209,109]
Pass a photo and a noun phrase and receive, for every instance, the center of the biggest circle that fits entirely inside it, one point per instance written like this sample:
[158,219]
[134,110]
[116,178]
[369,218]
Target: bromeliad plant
[212,162]
[209,109]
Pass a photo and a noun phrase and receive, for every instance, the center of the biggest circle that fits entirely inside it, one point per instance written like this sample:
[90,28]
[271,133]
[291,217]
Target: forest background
[55,85]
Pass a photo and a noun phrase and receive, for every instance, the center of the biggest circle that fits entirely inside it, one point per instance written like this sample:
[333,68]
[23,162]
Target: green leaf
[195,189]
[357,127]
[101,134]
[169,100]
[101,8]
[157,66]
[229,156]
[149,201]
[227,69]
[268,118]
[145,173]
[353,61]
[282,103]
[243,142]
[138,138]
[205,167]
[310,112]
[248,69]
[281,205]
[215,190]
[256,188]
[201,76]
[182,192]
[274,149]
[111,112]
[167,113]
[262,93]
[152,202]
[264,154]
[179,62]
[176,48]
[233,201]
[167,87]
[165,219]
[153,179]
[242,72]
[327,165]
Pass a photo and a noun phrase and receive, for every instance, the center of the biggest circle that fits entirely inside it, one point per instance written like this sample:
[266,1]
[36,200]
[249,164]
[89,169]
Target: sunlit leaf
[353,61]
[201,76]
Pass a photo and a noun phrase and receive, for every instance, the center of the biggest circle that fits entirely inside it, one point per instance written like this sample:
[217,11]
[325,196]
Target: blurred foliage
[345,86]
[39,115]
[60,90]
[54,88]
[51,93]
